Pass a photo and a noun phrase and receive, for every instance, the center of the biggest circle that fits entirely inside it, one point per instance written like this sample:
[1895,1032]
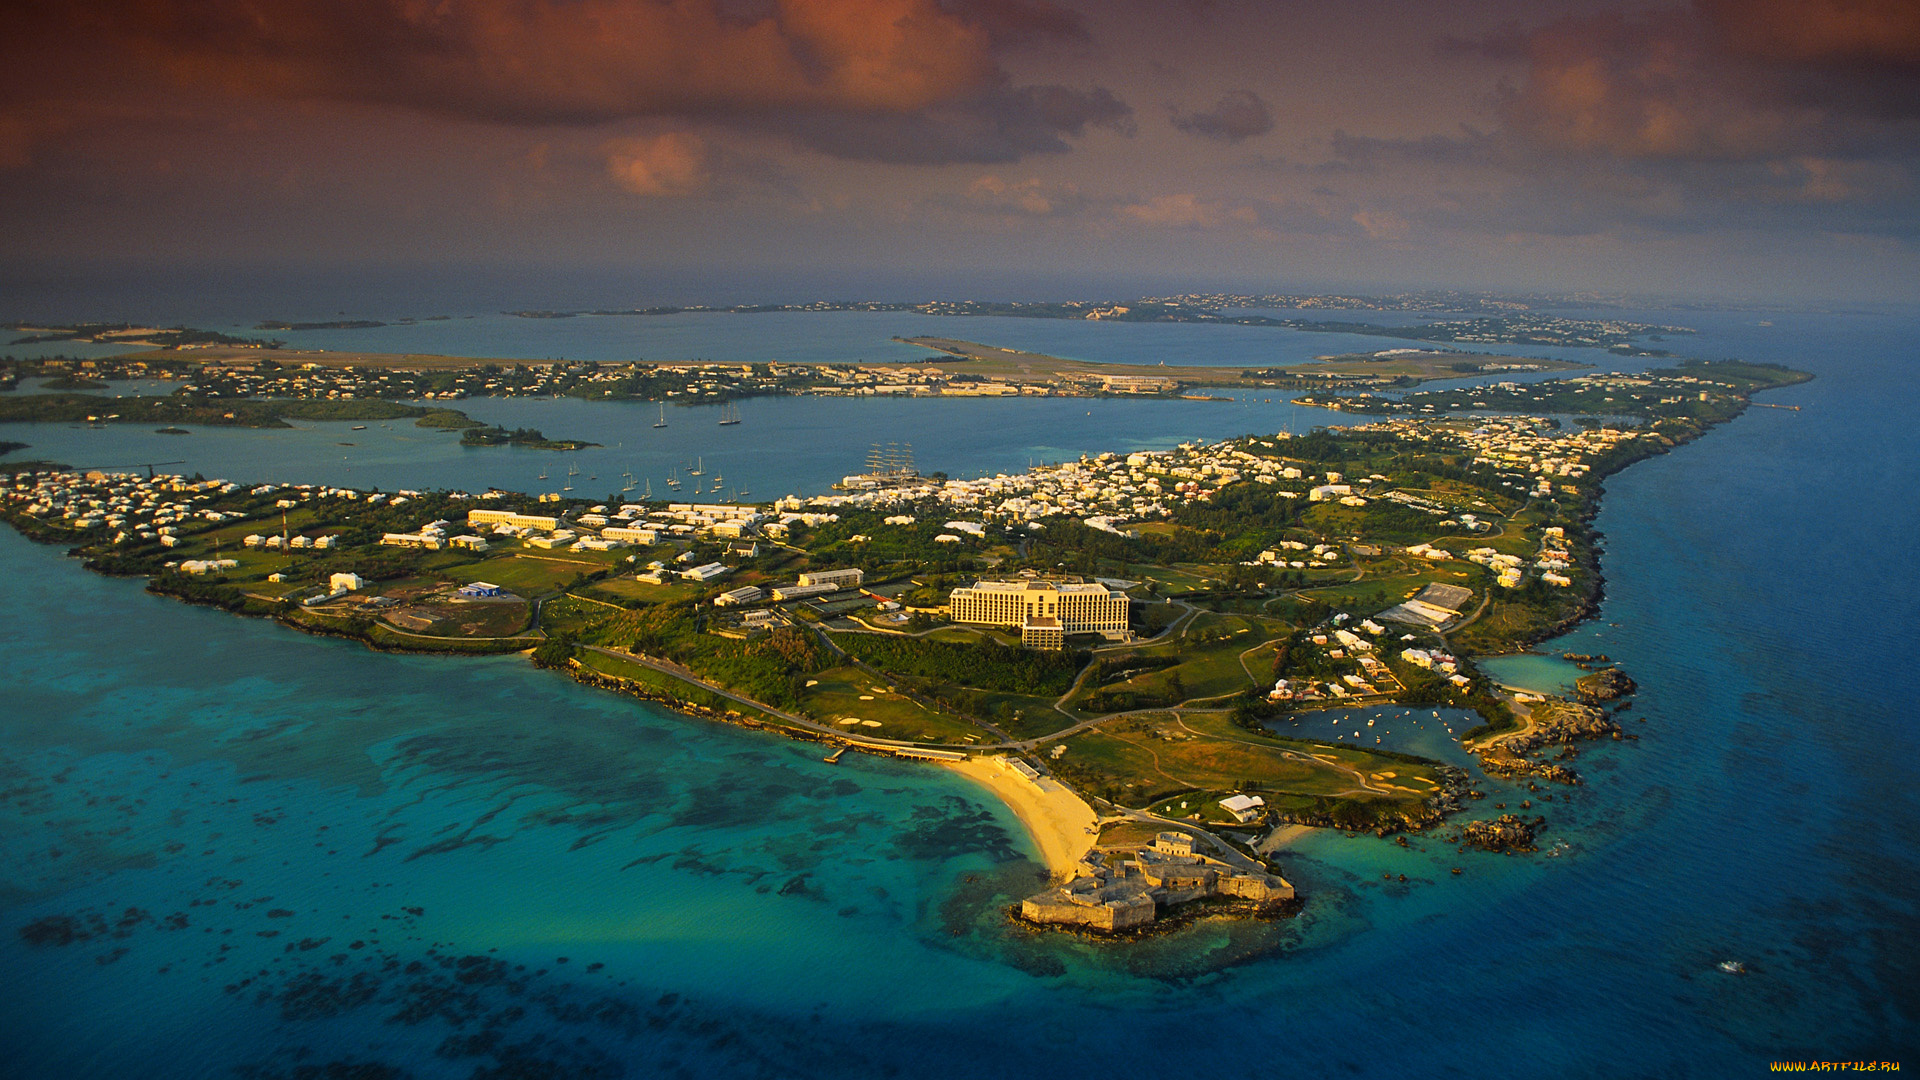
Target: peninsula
[1139,652]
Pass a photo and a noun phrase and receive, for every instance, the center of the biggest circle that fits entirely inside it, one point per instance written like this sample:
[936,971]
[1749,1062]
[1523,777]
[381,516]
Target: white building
[844,579]
[746,594]
[1244,808]
[1080,608]
[802,592]
[509,517]
[428,541]
[631,535]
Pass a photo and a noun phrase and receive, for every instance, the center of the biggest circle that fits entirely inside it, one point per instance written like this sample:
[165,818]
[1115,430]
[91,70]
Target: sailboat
[729,414]
[663,415]
[674,480]
[649,495]
[699,467]
[543,472]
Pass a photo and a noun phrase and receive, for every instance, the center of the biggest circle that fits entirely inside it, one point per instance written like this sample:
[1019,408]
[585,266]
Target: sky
[604,151]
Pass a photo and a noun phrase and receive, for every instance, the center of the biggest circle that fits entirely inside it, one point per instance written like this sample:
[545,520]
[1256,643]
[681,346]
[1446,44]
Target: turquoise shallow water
[211,812]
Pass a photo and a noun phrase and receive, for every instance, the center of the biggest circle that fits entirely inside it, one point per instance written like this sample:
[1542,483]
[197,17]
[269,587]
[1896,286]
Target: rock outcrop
[1508,832]
[1564,722]
[1604,685]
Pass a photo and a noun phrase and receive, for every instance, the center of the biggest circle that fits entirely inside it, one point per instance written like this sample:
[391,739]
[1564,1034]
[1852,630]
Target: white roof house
[1243,807]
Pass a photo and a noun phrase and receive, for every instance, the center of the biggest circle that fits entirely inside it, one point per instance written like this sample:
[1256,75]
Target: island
[1147,655]
[951,368]
[1455,316]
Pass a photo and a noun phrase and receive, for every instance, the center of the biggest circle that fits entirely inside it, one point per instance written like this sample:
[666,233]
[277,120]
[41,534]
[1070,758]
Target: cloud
[1031,197]
[533,61]
[1724,81]
[1875,33]
[858,78]
[667,166]
[1000,125]
[1236,116]
[1764,116]
[1381,224]
[1187,211]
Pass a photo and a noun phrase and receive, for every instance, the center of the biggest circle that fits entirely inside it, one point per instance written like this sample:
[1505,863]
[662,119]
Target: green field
[625,588]
[848,692]
[1209,649]
[1147,760]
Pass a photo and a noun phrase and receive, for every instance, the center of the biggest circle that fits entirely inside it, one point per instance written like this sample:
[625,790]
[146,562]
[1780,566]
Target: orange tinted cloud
[1187,211]
[1848,31]
[542,61]
[671,165]
[1728,80]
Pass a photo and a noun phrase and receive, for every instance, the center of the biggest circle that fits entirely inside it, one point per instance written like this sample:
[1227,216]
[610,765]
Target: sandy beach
[1282,838]
[1062,825]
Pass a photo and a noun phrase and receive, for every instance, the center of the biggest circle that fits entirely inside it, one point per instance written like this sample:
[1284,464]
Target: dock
[834,758]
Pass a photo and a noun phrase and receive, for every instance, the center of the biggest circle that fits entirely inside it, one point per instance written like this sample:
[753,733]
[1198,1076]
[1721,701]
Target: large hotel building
[1045,611]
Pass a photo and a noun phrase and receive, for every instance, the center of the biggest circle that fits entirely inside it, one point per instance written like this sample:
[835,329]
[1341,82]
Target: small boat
[359,427]
[1732,967]
[663,415]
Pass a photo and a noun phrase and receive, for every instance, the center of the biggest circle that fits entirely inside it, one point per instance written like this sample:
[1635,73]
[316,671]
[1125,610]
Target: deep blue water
[757,913]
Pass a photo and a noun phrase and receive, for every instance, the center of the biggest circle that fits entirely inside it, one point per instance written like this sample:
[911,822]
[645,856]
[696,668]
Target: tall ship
[729,414]
[888,465]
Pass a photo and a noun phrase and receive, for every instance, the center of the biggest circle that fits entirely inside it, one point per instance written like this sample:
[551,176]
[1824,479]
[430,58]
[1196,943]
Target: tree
[556,650]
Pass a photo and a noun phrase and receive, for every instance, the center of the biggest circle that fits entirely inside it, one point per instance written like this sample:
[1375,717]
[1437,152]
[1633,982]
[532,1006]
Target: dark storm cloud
[1770,115]
[1724,81]
[1241,114]
[1011,22]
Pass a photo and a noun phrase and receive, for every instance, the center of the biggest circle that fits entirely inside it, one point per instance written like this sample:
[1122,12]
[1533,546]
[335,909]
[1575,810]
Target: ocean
[232,850]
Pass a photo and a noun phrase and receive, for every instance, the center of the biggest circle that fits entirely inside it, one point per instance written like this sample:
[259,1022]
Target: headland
[1125,639]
